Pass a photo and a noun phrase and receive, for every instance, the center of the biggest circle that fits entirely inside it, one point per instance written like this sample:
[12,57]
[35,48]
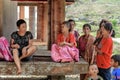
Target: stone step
[45,66]
[22,77]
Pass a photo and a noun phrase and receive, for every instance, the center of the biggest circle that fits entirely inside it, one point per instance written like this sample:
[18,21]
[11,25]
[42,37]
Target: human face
[113,63]
[93,70]
[104,31]
[72,25]
[86,30]
[64,28]
[22,27]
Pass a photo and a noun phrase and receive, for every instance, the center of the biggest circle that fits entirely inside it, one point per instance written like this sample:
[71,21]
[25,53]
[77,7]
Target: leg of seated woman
[17,60]
[30,51]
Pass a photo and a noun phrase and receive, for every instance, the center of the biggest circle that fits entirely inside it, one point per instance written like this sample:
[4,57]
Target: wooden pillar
[42,22]
[22,12]
[45,23]
[39,20]
[32,19]
[1,16]
[56,17]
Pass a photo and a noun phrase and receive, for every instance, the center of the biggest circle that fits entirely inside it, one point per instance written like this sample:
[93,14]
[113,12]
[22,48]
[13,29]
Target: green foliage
[92,11]
[114,22]
[116,47]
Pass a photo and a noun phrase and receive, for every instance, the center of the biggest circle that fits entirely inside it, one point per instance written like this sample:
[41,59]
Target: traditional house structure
[50,14]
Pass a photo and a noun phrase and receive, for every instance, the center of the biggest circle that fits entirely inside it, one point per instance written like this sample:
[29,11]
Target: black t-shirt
[22,41]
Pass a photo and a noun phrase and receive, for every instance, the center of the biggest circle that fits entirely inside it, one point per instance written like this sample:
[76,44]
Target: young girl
[72,25]
[93,73]
[104,52]
[65,48]
[86,43]
[115,63]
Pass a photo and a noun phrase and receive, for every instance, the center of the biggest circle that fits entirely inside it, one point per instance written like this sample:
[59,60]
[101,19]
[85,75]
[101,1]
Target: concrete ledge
[45,68]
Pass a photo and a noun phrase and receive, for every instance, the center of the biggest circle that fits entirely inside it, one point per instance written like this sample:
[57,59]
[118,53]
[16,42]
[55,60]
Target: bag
[4,49]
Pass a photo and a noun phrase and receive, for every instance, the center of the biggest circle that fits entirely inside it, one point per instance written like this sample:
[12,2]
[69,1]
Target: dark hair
[68,24]
[71,20]
[113,34]
[116,58]
[19,22]
[108,26]
[87,25]
[103,21]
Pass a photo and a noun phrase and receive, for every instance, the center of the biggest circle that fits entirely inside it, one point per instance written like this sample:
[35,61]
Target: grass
[95,28]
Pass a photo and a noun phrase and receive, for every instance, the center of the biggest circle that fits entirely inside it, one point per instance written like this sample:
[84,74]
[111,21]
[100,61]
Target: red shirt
[69,39]
[104,59]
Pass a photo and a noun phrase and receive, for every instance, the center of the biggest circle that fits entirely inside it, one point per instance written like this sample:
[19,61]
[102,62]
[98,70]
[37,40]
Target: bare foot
[64,61]
[19,71]
[72,62]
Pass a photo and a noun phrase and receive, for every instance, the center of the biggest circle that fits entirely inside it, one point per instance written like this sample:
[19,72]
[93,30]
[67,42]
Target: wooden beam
[32,19]
[36,2]
[22,12]
[30,3]
[40,0]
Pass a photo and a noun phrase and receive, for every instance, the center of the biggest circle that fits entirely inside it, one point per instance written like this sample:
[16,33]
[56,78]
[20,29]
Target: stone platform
[42,64]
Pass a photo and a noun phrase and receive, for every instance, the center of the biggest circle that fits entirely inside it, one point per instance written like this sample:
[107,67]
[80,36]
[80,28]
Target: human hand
[17,46]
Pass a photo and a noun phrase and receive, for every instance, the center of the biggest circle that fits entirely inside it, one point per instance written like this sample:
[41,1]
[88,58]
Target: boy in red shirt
[104,52]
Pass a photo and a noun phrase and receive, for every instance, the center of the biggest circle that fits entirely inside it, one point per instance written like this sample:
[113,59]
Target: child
[115,62]
[93,71]
[104,52]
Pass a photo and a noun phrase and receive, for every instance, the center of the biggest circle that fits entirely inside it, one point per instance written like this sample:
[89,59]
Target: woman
[21,44]
[5,53]
[65,48]
[72,24]
[104,52]
[86,43]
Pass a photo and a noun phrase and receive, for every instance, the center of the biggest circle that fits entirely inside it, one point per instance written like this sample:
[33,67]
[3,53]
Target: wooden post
[56,17]
[1,16]
[45,23]
[39,20]
[32,19]
[22,12]
[42,20]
